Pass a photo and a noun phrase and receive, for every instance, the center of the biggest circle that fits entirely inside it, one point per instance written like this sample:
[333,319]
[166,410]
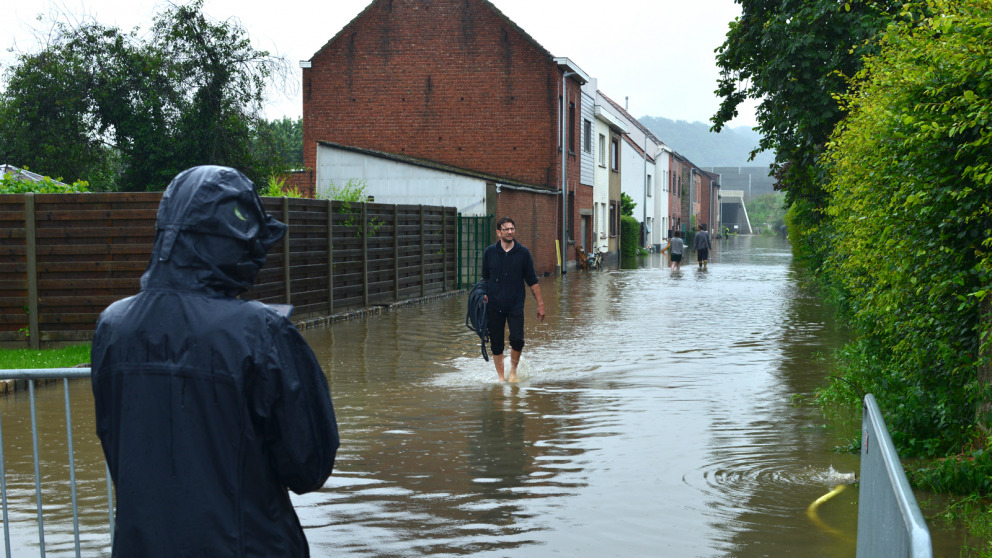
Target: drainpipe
[564,178]
[719,196]
[644,210]
[692,183]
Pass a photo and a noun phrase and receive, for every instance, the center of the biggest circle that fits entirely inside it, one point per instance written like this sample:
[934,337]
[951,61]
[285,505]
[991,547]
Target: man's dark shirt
[505,274]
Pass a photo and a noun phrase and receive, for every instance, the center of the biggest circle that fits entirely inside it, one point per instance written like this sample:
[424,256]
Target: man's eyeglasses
[507,229]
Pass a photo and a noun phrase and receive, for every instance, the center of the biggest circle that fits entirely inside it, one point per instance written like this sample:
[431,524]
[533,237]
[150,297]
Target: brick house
[709,203]
[457,82]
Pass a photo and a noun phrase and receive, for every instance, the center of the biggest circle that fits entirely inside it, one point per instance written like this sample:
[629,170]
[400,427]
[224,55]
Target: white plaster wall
[398,182]
[601,184]
[587,158]
[662,179]
[632,173]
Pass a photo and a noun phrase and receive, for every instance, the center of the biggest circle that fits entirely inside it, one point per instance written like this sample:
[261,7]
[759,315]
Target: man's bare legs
[514,361]
[498,361]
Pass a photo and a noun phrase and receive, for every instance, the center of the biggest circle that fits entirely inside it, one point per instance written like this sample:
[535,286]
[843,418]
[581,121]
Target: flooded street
[655,417]
[658,414]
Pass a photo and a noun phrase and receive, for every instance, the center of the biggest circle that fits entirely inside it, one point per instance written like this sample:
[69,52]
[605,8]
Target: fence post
[396,253]
[330,258]
[285,252]
[458,252]
[444,249]
[31,240]
[890,522]
[365,255]
[423,256]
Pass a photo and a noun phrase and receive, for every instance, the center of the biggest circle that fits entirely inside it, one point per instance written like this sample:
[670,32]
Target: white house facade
[645,174]
[604,124]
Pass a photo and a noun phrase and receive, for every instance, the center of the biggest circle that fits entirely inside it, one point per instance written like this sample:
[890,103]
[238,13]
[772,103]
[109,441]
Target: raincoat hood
[212,233]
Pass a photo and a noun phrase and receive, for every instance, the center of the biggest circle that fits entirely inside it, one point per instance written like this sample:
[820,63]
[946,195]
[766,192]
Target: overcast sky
[657,56]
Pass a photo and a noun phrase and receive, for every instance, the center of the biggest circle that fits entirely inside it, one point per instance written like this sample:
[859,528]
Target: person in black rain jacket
[209,407]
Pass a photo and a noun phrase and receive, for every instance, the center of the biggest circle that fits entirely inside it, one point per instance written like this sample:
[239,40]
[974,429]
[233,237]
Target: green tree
[129,112]
[627,205]
[795,56]
[287,137]
[43,119]
[767,211]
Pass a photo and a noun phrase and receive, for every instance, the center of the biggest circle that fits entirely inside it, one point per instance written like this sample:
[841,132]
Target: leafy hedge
[908,228]
[630,233]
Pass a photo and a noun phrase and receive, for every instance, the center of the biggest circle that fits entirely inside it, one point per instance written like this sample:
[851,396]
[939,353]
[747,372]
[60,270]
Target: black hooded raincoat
[209,407]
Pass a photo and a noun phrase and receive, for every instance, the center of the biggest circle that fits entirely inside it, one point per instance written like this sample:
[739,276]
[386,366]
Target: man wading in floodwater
[506,267]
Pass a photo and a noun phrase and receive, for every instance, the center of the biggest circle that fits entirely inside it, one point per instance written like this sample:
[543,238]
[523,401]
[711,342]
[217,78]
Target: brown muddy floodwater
[656,416]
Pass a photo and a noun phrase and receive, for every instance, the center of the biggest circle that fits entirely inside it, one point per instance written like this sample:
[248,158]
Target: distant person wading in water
[701,242]
[675,250]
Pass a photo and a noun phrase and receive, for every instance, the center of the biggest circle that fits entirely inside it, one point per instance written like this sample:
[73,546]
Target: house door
[584,239]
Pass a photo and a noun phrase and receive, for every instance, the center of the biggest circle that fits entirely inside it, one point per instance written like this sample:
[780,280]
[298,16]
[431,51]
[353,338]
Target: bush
[276,188]
[961,474]
[10,184]
[630,233]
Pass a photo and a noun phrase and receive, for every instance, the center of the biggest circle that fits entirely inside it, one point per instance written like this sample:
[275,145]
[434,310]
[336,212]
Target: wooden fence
[66,257]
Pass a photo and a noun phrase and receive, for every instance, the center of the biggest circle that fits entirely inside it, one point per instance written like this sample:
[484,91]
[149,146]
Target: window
[595,219]
[649,185]
[613,218]
[614,154]
[586,136]
[602,150]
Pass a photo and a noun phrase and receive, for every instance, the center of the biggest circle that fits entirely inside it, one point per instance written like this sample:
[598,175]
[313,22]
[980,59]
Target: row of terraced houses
[449,102]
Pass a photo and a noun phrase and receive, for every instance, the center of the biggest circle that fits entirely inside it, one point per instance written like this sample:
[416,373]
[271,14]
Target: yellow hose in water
[814,516]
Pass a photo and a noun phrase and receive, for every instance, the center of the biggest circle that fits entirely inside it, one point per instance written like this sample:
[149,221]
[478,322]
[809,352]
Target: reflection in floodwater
[654,417]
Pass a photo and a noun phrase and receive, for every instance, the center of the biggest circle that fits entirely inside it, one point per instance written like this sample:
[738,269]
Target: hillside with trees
[730,148]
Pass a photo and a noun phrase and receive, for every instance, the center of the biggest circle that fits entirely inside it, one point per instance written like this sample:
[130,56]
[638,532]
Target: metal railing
[31,376]
[474,235]
[890,522]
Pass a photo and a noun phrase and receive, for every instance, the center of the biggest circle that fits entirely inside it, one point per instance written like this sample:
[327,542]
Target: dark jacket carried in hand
[209,407]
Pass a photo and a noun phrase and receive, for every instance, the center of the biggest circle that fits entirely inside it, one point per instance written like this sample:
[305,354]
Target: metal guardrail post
[3,493]
[72,466]
[32,375]
[110,502]
[37,469]
[890,522]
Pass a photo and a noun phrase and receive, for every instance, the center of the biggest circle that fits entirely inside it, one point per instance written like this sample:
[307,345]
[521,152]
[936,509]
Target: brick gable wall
[451,81]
